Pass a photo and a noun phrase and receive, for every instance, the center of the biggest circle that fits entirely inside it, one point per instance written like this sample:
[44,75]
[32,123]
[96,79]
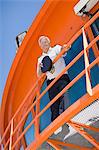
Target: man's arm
[59,48]
[39,72]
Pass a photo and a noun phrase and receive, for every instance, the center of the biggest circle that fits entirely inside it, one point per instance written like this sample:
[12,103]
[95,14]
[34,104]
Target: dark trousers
[53,91]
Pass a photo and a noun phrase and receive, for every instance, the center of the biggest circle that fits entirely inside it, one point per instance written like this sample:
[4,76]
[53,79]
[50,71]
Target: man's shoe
[58,130]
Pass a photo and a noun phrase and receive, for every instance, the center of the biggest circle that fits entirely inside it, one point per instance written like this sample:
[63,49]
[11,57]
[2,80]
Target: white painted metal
[84,5]
[87,116]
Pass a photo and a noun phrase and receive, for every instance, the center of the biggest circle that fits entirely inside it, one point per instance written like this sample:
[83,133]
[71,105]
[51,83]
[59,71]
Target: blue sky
[15,16]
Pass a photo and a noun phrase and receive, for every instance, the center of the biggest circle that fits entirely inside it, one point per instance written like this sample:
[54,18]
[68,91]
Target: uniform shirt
[59,64]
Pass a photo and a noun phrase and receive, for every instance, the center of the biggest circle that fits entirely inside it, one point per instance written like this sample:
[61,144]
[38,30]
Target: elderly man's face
[45,45]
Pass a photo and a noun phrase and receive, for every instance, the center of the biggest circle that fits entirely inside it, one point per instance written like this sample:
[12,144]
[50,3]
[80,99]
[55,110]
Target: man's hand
[65,46]
[40,65]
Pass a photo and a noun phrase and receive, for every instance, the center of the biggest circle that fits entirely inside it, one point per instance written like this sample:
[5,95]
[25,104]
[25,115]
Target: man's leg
[55,107]
[53,91]
[64,99]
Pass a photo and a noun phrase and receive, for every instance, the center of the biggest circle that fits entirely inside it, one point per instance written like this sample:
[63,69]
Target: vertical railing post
[88,83]
[11,134]
[94,46]
[37,111]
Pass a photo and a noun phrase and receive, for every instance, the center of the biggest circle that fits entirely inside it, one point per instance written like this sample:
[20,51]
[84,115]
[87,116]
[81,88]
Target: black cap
[46,64]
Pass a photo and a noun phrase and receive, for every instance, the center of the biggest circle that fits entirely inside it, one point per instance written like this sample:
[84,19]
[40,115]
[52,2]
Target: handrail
[79,55]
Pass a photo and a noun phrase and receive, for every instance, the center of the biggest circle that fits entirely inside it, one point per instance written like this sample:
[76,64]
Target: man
[52,52]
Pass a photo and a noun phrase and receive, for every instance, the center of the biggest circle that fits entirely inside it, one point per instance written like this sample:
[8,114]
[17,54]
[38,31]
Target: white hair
[42,37]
